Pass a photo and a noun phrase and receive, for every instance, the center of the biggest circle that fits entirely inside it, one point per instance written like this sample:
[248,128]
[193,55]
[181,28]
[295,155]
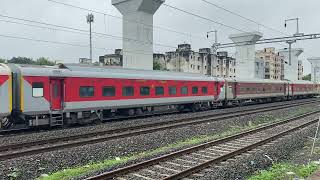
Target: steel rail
[30,148]
[191,170]
[13,132]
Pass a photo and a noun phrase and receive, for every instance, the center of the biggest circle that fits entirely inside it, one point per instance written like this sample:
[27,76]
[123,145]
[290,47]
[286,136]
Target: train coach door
[56,93]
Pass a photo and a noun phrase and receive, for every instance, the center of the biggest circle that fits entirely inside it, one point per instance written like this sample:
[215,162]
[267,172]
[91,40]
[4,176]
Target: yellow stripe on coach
[21,93]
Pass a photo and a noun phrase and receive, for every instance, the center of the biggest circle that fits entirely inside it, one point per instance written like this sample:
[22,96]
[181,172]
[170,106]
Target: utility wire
[243,17]
[167,5]
[47,41]
[62,43]
[210,20]
[81,30]
[204,18]
[118,17]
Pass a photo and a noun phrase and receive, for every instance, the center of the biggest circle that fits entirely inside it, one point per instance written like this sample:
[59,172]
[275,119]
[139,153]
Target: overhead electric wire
[46,41]
[204,18]
[43,27]
[243,17]
[62,43]
[167,5]
[118,17]
[81,30]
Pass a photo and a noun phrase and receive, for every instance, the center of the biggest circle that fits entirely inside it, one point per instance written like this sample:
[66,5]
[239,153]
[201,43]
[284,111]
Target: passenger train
[71,94]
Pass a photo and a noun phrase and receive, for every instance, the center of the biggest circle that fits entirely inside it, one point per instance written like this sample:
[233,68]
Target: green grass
[285,171]
[96,166]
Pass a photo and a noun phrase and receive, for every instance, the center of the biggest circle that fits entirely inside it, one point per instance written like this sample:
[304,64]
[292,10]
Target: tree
[307,77]
[156,65]
[2,60]
[21,60]
[44,61]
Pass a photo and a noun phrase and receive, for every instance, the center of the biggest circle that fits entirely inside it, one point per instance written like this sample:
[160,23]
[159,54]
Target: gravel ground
[262,158]
[303,155]
[34,166]
[119,124]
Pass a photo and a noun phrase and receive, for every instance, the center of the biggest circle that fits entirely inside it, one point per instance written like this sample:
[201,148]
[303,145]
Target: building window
[86,91]
[198,67]
[37,89]
[159,91]
[108,91]
[204,90]
[144,91]
[172,90]
[184,90]
[195,90]
[128,91]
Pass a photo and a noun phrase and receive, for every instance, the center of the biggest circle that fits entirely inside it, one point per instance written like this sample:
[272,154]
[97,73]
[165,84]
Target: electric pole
[215,46]
[297,34]
[90,20]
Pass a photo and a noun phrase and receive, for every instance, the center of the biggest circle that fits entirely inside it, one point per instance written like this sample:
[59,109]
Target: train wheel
[139,111]
[131,112]
[6,123]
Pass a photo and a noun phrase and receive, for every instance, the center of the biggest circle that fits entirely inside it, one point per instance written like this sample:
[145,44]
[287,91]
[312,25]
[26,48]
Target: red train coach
[75,94]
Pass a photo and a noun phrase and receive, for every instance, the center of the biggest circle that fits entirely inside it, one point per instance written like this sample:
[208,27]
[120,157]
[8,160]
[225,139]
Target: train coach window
[55,90]
[172,90]
[144,91]
[37,89]
[184,90]
[195,90]
[86,91]
[159,91]
[109,91]
[204,90]
[128,91]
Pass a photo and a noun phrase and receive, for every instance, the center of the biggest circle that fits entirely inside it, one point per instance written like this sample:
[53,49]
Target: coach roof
[103,72]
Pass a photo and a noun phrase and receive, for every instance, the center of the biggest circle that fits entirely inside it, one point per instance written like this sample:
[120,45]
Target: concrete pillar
[315,69]
[137,31]
[246,55]
[291,71]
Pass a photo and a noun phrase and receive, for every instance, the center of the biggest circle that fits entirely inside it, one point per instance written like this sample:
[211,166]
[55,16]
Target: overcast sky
[271,13]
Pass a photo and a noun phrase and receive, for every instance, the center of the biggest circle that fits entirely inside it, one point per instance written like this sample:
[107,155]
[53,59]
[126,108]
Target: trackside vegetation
[286,171]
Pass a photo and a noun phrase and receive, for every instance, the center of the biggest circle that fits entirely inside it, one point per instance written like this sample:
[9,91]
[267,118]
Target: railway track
[47,145]
[185,163]
[24,130]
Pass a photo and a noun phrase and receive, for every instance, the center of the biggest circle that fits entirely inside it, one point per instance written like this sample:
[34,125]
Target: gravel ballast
[33,166]
[122,124]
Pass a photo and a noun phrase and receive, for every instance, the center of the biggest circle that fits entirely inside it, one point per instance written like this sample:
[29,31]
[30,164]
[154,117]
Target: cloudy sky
[172,27]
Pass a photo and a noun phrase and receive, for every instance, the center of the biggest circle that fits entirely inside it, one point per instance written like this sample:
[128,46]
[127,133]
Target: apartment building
[300,70]
[274,63]
[184,59]
[112,59]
